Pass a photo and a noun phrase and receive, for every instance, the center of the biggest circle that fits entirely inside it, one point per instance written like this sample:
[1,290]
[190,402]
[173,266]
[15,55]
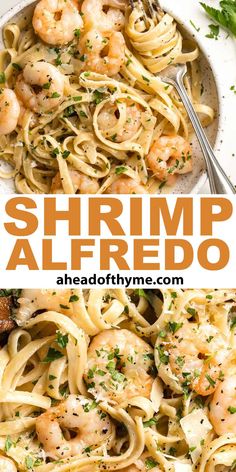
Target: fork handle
[218,180]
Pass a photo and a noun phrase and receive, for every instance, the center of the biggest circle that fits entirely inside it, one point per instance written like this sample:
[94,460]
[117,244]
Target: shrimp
[95,16]
[56,21]
[169,155]
[223,407]
[77,415]
[127,186]
[194,354]
[32,300]
[40,87]
[108,119]
[82,183]
[6,465]
[103,55]
[9,111]
[120,366]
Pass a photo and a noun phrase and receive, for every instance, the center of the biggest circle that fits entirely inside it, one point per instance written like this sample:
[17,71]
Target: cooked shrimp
[32,300]
[95,16]
[119,366]
[79,415]
[108,119]
[223,407]
[195,354]
[82,183]
[127,186]
[170,155]
[9,111]
[103,55]
[6,465]
[40,87]
[55,21]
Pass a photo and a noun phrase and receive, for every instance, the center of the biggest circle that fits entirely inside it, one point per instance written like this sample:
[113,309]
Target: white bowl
[216,61]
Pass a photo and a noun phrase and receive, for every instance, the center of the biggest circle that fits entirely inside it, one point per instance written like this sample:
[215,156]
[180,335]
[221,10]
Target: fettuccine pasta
[83,108]
[130,380]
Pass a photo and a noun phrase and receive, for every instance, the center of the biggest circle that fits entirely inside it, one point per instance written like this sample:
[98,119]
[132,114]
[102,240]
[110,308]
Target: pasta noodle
[117,379]
[95,115]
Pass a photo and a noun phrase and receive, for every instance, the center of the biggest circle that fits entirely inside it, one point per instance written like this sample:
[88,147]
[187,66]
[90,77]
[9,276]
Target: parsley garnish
[52,355]
[8,443]
[73,298]
[120,170]
[225,17]
[62,339]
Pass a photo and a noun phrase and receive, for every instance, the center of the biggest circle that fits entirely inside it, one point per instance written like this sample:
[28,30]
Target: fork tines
[150,8]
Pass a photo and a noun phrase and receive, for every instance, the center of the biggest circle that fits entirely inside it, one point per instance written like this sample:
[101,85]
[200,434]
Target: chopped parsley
[174,326]
[62,339]
[214,32]
[65,154]
[150,463]
[52,355]
[195,27]
[16,66]
[2,78]
[77,33]
[163,356]
[8,443]
[120,170]
[73,298]
[151,422]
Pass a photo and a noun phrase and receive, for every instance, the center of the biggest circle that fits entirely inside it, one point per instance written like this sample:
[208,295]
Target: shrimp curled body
[95,16]
[119,366]
[49,83]
[9,111]
[223,407]
[169,155]
[195,356]
[6,465]
[55,21]
[82,183]
[126,185]
[93,45]
[78,414]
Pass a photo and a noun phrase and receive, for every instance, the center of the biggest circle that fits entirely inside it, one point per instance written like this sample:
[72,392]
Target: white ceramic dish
[217,65]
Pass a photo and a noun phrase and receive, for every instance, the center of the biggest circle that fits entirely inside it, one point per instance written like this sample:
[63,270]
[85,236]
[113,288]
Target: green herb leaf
[151,422]
[225,17]
[2,78]
[173,326]
[164,358]
[8,443]
[62,339]
[73,298]
[16,66]
[120,170]
[52,355]
[46,86]
[150,463]
[77,33]
[65,154]
[232,409]
[29,462]
[214,32]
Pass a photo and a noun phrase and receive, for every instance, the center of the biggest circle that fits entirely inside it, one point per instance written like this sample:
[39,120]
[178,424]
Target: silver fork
[174,75]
